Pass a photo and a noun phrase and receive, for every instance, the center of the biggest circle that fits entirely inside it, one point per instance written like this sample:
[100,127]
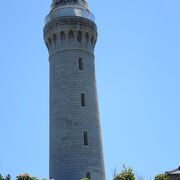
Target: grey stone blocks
[68,39]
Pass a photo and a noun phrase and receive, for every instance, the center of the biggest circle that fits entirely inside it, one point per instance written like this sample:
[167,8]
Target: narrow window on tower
[92,40]
[87,37]
[82,99]
[79,36]
[85,138]
[54,39]
[71,35]
[80,64]
[63,36]
[88,175]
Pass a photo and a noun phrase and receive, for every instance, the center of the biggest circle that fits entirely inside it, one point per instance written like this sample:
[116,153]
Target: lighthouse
[75,142]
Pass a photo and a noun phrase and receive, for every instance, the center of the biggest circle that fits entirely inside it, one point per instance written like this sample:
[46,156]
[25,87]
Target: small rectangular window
[80,64]
[88,175]
[82,99]
[85,138]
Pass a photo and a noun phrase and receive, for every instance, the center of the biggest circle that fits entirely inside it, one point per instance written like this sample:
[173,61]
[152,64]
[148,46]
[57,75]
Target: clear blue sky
[138,80]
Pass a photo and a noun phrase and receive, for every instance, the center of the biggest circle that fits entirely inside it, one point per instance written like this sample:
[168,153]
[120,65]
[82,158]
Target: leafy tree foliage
[85,178]
[125,174]
[161,177]
[1,177]
[26,177]
[8,177]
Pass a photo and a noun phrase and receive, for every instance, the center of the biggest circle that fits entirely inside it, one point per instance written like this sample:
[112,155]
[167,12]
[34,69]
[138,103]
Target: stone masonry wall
[70,40]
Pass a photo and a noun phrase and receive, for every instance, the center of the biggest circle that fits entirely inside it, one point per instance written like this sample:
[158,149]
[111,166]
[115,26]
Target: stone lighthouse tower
[70,35]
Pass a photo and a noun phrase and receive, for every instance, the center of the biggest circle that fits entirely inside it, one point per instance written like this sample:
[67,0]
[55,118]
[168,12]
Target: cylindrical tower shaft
[75,136]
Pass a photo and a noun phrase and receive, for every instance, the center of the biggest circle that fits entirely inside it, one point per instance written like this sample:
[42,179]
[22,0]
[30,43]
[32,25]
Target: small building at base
[174,174]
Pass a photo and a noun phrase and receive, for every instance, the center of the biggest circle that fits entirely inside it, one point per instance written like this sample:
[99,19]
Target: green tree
[8,177]
[125,174]
[34,178]
[1,177]
[85,178]
[26,177]
[161,177]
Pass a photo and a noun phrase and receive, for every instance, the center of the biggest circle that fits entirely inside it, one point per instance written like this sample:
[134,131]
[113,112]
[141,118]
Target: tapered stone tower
[70,35]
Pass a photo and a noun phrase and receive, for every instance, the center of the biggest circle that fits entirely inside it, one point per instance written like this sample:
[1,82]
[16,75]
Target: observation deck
[69,11]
